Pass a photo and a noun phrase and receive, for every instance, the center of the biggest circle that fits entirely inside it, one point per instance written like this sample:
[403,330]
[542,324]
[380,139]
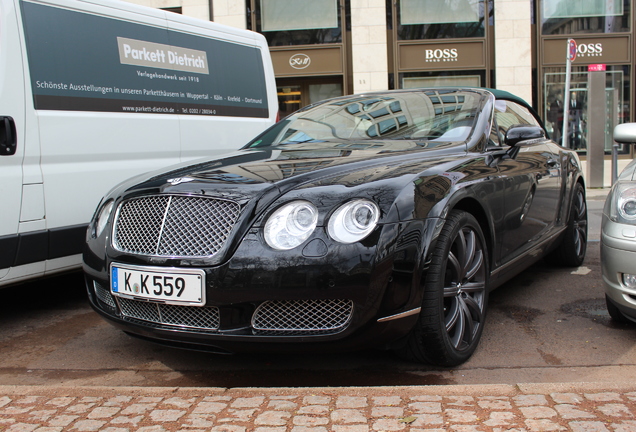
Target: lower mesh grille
[274,318]
[302,317]
[202,318]
[104,295]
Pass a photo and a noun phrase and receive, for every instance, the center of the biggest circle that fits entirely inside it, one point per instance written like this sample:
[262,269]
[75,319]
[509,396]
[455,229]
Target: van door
[97,114]
[12,115]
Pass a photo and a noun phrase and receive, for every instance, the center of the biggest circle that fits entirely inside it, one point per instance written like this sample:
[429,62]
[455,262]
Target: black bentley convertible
[381,219]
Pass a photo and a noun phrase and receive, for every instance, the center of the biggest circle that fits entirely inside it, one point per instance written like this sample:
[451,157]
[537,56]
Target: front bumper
[354,296]
[618,257]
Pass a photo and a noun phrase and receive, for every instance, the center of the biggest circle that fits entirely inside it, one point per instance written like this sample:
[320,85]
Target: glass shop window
[281,15]
[436,19]
[617,87]
[466,78]
[299,22]
[584,16]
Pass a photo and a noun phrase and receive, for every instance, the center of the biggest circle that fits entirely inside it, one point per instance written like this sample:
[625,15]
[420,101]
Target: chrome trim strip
[163,225]
[401,315]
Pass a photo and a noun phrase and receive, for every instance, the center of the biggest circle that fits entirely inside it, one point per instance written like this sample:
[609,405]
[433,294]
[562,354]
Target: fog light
[629,280]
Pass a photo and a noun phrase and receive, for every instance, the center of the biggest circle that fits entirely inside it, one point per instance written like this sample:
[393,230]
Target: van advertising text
[142,53]
[124,66]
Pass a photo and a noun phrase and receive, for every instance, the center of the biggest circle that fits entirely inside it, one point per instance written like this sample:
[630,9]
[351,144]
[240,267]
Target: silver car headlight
[291,225]
[622,203]
[353,221]
[102,217]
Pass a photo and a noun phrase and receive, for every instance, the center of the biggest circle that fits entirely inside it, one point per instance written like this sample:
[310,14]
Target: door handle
[8,141]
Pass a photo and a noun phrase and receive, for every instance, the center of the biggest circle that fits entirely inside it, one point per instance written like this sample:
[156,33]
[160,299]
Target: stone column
[513,47]
[369,49]
[230,12]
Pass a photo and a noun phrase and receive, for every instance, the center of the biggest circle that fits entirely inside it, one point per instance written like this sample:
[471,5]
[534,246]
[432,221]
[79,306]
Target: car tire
[453,312]
[614,312]
[571,251]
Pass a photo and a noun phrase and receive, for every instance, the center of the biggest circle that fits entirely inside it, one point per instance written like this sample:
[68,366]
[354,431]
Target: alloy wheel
[464,289]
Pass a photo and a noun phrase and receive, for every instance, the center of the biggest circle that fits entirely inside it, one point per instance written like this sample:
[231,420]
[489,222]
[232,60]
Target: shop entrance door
[296,93]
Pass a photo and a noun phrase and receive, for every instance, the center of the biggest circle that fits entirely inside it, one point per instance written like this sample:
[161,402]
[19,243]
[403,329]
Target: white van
[94,92]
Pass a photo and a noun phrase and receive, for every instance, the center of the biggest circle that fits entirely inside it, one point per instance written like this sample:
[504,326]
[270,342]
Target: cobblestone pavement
[529,407]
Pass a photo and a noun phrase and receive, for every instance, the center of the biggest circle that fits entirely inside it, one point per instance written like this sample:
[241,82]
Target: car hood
[252,173]
[326,173]
[629,172]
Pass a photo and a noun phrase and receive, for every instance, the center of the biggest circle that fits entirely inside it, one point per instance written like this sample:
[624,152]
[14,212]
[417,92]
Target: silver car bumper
[618,256]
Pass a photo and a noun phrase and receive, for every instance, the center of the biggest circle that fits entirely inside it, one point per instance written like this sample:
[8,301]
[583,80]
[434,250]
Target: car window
[509,113]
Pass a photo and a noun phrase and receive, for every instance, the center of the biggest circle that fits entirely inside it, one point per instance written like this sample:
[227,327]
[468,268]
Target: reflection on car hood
[262,175]
[273,165]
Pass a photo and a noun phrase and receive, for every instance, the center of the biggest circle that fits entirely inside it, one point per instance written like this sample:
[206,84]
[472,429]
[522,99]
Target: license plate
[170,285]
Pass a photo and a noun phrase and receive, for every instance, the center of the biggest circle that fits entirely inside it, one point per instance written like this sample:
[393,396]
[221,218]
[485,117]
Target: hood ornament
[179,180]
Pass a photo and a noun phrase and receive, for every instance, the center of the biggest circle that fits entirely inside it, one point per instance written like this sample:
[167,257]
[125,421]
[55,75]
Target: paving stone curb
[523,407]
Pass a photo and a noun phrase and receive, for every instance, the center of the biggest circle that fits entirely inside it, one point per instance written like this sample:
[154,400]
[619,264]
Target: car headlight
[102,217]
[353,221]
[622,203]
[291,225]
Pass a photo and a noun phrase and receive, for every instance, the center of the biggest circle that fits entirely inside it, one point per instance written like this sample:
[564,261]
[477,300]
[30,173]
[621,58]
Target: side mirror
[625,133]
[517,133]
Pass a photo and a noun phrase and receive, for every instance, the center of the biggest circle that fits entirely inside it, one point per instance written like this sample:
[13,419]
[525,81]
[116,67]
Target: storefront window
[439,12]
[616,101]
[299,22]
[443,79]
[289,99]
[436,19]
[295,93]
[318,92]
[582,8]
[281,15]
[584,16]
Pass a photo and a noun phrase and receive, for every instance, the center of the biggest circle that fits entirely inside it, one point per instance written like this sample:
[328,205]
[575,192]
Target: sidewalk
[584,407]
[597,193]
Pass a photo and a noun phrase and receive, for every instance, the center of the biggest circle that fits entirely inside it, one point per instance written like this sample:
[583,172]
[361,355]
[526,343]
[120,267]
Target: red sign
[572,49]
[597,68]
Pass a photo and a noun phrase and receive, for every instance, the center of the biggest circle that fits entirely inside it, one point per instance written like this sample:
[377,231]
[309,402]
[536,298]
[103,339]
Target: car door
[12,114]
[531,182]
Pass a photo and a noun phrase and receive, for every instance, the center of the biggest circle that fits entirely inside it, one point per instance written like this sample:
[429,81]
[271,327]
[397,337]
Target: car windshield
[427,115]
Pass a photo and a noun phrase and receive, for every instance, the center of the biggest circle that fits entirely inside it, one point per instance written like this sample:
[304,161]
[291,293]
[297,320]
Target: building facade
[325,48]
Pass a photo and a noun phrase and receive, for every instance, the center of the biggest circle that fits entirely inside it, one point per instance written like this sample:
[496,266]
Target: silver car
[618,237]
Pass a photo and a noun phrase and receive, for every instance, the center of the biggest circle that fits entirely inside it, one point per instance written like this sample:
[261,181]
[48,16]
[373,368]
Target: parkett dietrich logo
[299,61]
[441,55]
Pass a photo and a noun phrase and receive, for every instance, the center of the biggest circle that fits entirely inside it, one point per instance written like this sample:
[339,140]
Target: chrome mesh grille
[306,317]
[203,318]
[104,295]
[179,226]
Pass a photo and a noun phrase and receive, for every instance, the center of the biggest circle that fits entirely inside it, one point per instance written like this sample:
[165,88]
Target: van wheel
[455,296]
[571,251]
